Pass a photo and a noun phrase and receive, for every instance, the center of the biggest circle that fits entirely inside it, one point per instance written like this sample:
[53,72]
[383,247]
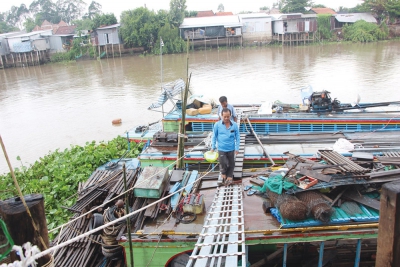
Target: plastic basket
[211,156]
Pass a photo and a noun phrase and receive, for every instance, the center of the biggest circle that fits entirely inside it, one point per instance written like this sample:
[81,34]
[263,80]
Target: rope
[72,240]
[154,252]
[123,193]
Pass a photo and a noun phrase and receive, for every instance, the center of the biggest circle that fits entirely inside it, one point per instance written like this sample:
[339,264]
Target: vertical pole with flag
[161,46]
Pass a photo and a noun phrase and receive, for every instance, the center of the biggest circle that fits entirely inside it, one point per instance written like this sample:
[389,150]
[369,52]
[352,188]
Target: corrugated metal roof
[353,17]
[11,33]
[226,21]
[48,32]
[285,16]
[109,26]
[323,10]
[254,15]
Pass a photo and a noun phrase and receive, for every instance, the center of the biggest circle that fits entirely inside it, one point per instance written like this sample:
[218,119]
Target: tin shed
[257,27]
[108,35]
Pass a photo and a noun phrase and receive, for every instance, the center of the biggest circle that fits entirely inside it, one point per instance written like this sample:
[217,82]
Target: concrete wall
[256,29]
[56,44]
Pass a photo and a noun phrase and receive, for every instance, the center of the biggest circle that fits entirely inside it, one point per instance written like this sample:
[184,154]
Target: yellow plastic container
[211,156]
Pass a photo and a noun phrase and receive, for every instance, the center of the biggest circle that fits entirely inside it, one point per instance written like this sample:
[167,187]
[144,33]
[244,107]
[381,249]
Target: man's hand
[236,152]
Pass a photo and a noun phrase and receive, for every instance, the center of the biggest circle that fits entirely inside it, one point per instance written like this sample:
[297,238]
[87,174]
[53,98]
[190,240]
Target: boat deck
[255,219]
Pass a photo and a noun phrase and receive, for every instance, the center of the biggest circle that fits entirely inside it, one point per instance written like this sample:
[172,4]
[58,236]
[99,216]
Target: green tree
[4,26]
[295,6]
[29,24]
[173,43]
[103,20]
[324,27]
[393,8]
[44,10]
[377,7]
[221,8]
[362,31]
[139,27]
[83,24]
[318,6]
[70,9]
[189,14]
[278,4]
[177,12]
[93,9]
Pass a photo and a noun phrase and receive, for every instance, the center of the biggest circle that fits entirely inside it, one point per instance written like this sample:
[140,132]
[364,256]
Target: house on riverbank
[212,31]
[27,49]
[4,47]
[295,28]
[107,39]
[339,20]
[256,29]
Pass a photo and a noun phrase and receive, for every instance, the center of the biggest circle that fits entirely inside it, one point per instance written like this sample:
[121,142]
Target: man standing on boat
[226,135]
[224,104]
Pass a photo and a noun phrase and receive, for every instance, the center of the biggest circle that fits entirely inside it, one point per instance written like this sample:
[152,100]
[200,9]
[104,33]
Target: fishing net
[276,184]
[317,205]
[289,206]
[351,208]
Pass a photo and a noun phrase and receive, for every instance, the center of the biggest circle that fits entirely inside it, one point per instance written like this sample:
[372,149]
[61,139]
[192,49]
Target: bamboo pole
[128,220]
[181,139]
[35,227]
[258,140]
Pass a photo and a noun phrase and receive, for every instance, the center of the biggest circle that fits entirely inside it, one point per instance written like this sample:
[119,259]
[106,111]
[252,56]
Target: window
[106,38]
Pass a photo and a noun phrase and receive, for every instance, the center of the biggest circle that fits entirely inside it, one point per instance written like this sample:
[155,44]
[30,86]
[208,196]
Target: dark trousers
[226,162]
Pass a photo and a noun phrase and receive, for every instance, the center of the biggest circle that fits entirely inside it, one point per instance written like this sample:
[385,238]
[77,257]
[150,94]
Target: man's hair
[226,110]
[223,99]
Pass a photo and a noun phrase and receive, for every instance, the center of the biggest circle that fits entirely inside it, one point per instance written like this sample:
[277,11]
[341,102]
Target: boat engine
[167,137]
[322,102]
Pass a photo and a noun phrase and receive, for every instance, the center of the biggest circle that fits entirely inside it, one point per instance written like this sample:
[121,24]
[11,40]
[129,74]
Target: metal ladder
[222,239]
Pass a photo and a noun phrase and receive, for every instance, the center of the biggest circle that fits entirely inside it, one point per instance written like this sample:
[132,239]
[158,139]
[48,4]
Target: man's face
[226,116]
[224,104]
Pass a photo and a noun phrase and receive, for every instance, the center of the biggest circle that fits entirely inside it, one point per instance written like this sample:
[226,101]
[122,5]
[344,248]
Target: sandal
[251,192]
[247,187]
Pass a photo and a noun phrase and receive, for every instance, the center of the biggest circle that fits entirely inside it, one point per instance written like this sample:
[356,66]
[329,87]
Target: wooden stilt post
[389,226]
[37,56]
[12,56]
[33,63]
[2,64]
[99,51]
[217,43]
[112,49]
[119,45]
[107,51]
[26,60]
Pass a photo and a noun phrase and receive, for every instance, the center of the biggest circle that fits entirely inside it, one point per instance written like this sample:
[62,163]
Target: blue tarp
[22,47]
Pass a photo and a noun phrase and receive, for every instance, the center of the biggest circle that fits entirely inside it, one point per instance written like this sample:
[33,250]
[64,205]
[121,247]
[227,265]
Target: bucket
[211,156]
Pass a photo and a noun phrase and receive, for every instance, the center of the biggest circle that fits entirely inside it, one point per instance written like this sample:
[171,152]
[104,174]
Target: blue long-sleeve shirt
[230,107]
[227,139]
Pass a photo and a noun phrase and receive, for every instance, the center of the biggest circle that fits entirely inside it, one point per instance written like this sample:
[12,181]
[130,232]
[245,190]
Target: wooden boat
[318,113]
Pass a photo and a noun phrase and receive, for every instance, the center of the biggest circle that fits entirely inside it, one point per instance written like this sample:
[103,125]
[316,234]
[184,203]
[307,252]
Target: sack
[205,109]
[192,112]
